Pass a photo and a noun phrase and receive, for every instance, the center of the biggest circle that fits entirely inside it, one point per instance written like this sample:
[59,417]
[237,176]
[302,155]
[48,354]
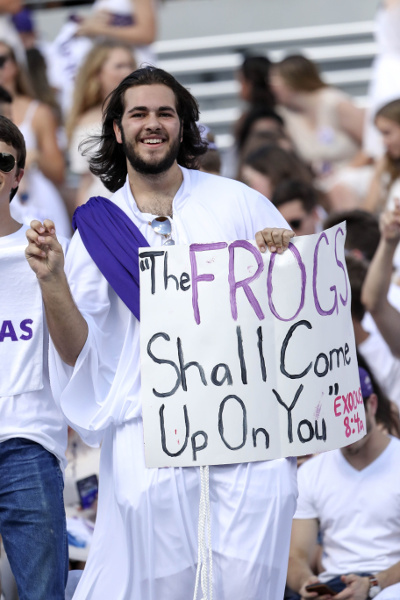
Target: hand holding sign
[275,238]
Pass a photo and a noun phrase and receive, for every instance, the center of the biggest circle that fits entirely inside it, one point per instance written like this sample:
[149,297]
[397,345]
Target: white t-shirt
[149,517]
[358,511]
[31,415]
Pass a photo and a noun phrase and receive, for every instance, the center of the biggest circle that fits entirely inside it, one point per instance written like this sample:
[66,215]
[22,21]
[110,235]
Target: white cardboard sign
[247,356]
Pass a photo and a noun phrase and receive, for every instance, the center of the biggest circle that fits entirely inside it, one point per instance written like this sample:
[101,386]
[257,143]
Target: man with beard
[145,542]
[352,496]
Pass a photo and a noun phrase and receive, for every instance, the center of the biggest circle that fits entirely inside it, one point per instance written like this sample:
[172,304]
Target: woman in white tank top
[38,198]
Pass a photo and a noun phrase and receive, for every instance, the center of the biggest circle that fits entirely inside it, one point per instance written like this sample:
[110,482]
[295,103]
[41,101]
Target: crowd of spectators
[307,147]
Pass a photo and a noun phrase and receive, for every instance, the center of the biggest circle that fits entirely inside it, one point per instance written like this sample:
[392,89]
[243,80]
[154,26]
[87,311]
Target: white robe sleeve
[254,212]
[103,387]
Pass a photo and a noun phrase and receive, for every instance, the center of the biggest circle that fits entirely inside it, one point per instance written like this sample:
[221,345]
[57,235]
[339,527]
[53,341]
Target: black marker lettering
[161,361]
[289,410]
[152,254]
[163,436]
[166,276]
[196,448]
[183,367]
[226,377]
[266,435]
[284,348]
[221,422]
[261,353]
[243,370]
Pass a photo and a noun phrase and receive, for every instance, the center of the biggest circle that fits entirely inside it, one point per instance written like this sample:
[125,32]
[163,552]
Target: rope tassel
[204,572]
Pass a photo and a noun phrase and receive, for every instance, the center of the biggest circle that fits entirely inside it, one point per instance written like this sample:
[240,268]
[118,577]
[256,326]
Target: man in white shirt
[33,433]
[352,496]
[148,517]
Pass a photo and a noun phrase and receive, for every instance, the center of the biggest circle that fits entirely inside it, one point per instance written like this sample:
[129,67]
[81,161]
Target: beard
[150,167]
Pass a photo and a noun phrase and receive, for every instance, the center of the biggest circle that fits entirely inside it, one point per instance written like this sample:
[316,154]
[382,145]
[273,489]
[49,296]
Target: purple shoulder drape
[112,241]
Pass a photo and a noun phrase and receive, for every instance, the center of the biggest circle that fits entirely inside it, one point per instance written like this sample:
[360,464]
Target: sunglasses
[295,223]
[162,226]
[7,162]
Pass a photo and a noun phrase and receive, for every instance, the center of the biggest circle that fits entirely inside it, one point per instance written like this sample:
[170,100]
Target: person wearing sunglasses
[147,155]
[33,433]
[297,201]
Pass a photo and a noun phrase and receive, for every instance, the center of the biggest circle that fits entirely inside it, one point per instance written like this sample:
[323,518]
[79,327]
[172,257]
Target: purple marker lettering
[270,287]
[340,264]
[315,274]
[205,277]
[244,283]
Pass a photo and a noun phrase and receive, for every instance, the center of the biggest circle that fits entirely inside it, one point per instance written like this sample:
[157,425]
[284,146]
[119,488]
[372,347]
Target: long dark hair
[255,70]
[108,161]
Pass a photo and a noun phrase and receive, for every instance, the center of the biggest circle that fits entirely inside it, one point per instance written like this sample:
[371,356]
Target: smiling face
[390,131]
[150,129]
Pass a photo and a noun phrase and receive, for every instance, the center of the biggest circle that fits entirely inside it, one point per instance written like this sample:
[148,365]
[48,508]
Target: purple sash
[112,241]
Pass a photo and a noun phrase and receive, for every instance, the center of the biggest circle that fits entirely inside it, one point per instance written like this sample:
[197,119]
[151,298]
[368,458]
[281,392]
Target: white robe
[145,541]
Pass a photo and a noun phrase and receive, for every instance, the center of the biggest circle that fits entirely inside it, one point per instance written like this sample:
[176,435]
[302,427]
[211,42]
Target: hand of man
[44,253]
[276,239]
[308,595]
[357,588]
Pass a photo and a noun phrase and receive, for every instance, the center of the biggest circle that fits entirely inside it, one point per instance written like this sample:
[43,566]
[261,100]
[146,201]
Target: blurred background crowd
[307,114]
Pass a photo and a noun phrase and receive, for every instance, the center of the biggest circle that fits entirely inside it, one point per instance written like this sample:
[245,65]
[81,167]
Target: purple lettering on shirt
[7,330]
[28,330]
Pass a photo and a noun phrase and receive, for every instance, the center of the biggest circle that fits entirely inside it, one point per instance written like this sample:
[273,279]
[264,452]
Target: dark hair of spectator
[255,70]
[384,415]
[300,73]
[278,165]
[38,76]
[293,189]
[24,85]
[108,161]
[391,111]
[244,128]
[11,135]
[363,233]
[264,138]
